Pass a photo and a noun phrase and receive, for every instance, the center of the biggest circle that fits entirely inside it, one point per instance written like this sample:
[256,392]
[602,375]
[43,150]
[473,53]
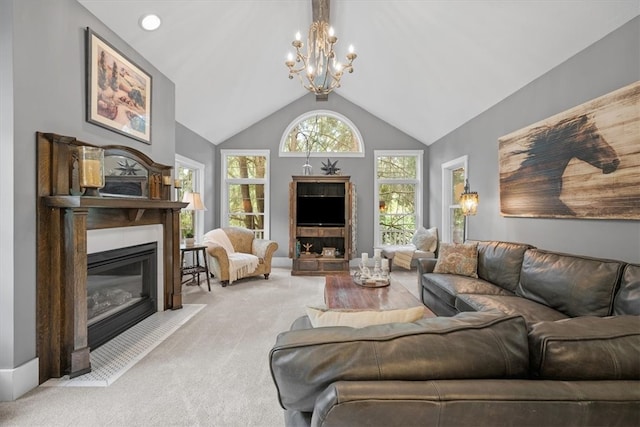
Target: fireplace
[121,290]
[66,222]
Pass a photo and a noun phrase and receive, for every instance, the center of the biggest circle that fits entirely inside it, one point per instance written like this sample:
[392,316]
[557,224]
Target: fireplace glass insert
[121,290]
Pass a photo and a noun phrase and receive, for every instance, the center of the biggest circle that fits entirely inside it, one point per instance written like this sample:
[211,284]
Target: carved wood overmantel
[63,217]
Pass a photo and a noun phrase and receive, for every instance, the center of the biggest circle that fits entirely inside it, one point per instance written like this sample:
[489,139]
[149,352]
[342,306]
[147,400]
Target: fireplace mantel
[64,216]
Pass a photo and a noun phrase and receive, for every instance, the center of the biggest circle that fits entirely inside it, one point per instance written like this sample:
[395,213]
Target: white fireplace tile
[114,358]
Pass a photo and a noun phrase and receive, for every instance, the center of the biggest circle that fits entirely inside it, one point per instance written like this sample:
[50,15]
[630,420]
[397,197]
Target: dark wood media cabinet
[320,210]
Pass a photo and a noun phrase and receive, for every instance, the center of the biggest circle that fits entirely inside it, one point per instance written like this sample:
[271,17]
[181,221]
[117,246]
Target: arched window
[316,133]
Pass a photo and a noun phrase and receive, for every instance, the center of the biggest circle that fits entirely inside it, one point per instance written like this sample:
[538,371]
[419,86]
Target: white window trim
[419,154]
[224,201]
[313,113]
[447,190]
[198,186]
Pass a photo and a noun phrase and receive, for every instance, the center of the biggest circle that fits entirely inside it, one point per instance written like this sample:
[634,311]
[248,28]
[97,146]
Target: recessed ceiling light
[150,22]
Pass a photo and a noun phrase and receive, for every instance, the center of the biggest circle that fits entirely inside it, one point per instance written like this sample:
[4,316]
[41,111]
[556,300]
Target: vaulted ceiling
[424,66]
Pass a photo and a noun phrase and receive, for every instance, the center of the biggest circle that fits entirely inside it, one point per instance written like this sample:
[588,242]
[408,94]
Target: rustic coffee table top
[341,292]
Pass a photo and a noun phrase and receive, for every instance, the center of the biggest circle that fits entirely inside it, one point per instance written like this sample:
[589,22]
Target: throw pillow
[459,259]
[425,240]
[320,316]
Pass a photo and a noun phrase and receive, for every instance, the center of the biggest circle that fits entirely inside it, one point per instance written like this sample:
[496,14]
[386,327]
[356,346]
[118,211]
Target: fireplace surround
[64,216]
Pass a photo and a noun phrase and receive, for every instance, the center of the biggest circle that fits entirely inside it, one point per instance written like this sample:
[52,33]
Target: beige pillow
[321,316]
[426,240]
[459,259]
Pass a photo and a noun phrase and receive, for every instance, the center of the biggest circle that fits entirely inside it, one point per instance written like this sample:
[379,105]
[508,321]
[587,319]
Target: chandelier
[318,69]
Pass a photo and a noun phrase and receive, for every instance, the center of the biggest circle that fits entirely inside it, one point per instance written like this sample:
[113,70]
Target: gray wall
[609,64]
[49,95]
[377,135]
[191,145]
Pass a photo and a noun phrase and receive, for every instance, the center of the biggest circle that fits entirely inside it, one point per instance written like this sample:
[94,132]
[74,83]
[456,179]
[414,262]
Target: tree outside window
[321,132]
[398,196]
[245,179]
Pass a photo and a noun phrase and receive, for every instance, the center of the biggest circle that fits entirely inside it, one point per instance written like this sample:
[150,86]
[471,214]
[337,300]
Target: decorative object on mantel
[118,91]
[581,163]
[330,168]
[469,203]
[91,169]
[307,247]
[319,71]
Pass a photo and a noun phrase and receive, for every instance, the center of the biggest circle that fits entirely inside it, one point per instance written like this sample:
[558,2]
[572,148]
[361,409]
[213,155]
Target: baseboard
[18,381]
[281,262]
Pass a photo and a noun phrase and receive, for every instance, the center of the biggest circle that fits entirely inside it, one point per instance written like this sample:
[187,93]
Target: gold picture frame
[328,252]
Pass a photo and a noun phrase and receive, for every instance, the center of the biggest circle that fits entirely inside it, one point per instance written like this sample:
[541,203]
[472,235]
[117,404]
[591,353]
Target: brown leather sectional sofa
[539,338]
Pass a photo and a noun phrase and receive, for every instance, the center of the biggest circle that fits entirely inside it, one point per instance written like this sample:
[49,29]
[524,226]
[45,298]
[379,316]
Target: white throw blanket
[240,264]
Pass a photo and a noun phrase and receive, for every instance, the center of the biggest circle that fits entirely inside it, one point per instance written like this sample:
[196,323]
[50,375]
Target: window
[398,196]
[191,174]
[245,190]
[453,177]
[319,132]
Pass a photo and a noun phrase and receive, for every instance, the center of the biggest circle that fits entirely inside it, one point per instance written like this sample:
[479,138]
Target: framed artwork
[118,91]
[581,163]
[329,252]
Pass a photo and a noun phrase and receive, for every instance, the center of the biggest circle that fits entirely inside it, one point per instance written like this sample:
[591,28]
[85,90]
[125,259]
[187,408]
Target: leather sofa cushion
[470,345]
[628,297]
[586,348]
[500,262]
[571,284]
[532,312]
[448,286]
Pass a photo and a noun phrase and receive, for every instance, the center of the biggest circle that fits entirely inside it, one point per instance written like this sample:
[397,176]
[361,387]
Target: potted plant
[188,237]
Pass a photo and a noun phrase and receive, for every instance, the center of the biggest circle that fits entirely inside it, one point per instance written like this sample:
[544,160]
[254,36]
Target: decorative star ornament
[330,168]
[127,169]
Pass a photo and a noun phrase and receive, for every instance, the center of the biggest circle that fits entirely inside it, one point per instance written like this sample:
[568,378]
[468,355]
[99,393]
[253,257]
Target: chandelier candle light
[319,70]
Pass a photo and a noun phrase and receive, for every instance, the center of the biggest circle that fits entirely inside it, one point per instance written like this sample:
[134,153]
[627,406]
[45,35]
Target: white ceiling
[426,67]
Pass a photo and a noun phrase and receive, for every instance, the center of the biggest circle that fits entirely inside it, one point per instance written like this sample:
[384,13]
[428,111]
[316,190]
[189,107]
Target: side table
[196,268]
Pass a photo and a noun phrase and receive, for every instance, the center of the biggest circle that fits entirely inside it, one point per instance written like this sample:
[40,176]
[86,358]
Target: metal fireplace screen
[121,290]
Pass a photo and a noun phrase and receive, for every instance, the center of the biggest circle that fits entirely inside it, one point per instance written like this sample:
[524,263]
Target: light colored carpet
[111,360]
[212,371]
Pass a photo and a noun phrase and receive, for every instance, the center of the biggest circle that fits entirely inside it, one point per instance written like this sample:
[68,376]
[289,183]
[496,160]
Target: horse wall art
[582,163]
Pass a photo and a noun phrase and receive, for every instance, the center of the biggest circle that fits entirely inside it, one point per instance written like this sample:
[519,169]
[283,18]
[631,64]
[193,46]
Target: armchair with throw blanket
[235,253]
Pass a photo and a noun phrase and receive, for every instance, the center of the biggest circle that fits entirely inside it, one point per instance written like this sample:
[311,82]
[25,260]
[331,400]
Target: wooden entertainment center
[320,219]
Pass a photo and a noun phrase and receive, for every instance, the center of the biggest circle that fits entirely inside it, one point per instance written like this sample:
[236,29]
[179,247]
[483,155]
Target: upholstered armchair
[235,253]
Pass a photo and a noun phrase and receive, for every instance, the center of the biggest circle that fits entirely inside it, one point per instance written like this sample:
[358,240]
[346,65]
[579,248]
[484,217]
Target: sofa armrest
[215,250]
[263,248]
[477,402]
[426,265]
[485,345]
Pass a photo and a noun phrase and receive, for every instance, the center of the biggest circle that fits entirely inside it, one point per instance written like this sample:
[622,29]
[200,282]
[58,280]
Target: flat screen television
[320,212]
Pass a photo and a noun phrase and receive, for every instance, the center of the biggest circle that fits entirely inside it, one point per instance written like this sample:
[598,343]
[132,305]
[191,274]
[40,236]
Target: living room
[42,75]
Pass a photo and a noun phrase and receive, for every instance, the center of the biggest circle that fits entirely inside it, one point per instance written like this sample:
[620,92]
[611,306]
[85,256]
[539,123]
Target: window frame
[197,186]
[417,181]
[447,190]
[310,114]
[224,193]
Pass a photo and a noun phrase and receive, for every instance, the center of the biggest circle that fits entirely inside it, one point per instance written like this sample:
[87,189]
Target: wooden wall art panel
[581,163]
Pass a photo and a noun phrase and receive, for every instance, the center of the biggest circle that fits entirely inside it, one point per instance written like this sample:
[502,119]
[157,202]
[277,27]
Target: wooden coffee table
[341,292]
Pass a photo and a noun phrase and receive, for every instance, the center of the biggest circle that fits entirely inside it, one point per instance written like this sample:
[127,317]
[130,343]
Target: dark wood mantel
[64,216]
